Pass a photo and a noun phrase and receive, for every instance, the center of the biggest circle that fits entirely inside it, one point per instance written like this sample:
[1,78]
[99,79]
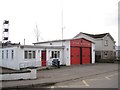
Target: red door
[43,55]
[75,55]
[85,55]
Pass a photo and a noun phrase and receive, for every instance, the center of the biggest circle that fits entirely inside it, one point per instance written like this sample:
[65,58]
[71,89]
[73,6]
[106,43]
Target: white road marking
[86,84]
[52,87]
[107,78]
[63,86]
[94,79]
[113,75]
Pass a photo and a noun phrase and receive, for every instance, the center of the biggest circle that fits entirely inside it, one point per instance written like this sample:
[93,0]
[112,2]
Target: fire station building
[74,51]
[68,52]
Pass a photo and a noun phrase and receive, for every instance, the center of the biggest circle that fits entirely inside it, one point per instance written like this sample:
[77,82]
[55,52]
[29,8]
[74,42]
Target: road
[106,80]
[82,76]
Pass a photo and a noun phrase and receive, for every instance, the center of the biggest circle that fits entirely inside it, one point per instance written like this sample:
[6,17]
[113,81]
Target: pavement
[65,73]
[105,80]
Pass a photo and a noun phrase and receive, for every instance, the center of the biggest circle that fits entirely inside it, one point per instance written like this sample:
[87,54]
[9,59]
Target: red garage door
[75,55]
[86,55]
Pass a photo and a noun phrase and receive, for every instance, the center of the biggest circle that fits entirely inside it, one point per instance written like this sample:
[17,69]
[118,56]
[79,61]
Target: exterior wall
[0,56]
[93,53]
[49,59]
[17,76]
[10,63]
[110,46]
[98,44]
[101,49]
[64,54]
[0,44]
[117,52]
[29,62]
[59,43]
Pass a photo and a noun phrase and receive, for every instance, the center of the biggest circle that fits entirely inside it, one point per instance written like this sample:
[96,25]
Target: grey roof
[95,36]
[35,46]
[52,41]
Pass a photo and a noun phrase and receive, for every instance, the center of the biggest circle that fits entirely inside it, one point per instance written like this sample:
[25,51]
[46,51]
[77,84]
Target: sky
[88,16]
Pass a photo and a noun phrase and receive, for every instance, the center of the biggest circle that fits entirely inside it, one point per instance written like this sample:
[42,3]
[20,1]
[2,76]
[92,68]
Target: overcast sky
[89,16]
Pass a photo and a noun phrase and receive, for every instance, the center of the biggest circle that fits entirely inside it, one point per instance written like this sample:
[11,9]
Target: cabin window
[2,54]
[55,54]
[29,54]
[12,54]
[33,54]
[7,54]
[25,54]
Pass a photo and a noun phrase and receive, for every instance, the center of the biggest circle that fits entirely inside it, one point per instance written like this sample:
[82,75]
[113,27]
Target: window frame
[12,54]
[55,54]
[7,54]
[29,54]
[106,43]
[2,54]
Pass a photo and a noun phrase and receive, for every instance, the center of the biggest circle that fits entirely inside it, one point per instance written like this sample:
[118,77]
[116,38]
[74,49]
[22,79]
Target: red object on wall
[86,55]
[80,51]
[43,55]
[75,55]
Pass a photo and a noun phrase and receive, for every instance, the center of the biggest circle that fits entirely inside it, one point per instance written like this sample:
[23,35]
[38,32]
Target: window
[34,54]
[2,54]
[55,54]
[7,54]
[25,54]
[106,42]
[12,54]
[113,47]
[106,53]
[29,54]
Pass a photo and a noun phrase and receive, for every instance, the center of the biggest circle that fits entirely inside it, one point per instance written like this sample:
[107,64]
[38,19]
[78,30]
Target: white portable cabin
[22,56]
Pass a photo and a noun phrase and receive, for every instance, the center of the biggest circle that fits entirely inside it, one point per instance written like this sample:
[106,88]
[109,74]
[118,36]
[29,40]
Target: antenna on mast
[5,36]
[62,21]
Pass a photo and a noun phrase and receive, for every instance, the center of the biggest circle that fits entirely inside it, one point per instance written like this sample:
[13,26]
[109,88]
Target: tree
[37,33]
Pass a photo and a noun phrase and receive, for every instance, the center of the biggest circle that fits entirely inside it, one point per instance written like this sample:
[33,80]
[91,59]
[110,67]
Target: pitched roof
[93,35]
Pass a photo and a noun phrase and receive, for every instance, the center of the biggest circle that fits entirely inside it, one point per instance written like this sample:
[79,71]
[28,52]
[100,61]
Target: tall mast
[5,32]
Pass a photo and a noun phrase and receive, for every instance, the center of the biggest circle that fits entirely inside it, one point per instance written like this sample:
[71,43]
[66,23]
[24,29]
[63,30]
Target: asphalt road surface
[99,75]
[106,80]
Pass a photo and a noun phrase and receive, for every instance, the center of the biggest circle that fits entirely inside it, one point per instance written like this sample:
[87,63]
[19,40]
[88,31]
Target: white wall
[110,44]
[18,61]
[65,54]
[0,56]
[98,45]
[93,53]
[17,76]
[29,62]
[49,60]
[10,63]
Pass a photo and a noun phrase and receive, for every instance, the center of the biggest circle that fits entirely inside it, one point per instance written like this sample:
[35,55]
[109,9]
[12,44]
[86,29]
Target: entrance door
[86,55]
[43,55]
[75,55]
